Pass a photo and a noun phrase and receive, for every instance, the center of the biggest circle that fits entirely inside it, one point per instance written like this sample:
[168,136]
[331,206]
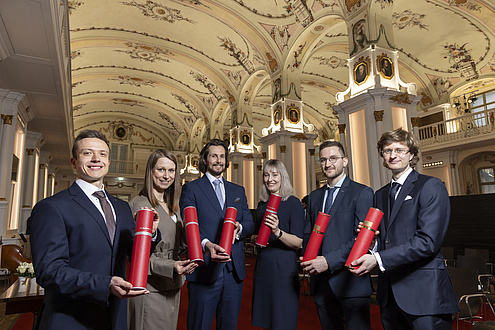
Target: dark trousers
[337,313]
[222,297]
[394,318]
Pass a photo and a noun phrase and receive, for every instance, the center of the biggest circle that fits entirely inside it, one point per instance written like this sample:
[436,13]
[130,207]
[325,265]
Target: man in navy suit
[216,286]
[414,288]
[342,299]
[79,250]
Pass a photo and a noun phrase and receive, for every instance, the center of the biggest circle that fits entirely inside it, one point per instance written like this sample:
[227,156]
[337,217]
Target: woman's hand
[271,221]
[156,219]
[184,267]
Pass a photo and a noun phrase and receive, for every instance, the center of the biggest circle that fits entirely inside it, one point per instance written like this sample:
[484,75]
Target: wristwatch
[280,234]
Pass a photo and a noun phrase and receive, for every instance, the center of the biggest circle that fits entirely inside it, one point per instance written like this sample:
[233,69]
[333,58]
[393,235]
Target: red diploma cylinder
[316,237]
[365,236]
[138,275]
[228,229]
[272,207]
[192,233]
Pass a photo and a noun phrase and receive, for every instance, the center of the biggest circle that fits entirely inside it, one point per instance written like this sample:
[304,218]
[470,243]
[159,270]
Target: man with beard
[342,299]
[216,286]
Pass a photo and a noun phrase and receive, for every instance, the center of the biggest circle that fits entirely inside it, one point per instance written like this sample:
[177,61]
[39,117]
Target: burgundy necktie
[107,210]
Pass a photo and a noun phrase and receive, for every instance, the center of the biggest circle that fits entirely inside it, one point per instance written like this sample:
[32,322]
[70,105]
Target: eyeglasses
[332,160]
[400,152]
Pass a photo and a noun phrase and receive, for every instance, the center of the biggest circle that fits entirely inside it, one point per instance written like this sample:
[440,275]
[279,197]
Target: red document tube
[228,229]
[365,236]
[316,237]
[138,275]
[272,207]
[192,233]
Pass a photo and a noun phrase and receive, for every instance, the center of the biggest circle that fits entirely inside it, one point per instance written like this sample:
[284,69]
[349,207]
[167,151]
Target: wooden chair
[12,257]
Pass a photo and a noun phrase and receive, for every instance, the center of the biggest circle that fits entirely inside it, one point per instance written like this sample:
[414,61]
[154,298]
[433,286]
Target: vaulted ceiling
[167,70]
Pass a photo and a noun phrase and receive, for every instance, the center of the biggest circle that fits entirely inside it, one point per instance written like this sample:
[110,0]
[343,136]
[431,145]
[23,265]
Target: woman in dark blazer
[275,280]
[161,191]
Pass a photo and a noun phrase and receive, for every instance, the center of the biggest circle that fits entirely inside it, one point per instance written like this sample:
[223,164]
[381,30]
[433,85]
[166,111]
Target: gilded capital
[235,166]
[29,151]
[42,166]
[415,121]
[282,149]
[7,119]
[263,154]
[260,167]
[312,152]
[378,115]
[452,166]
[341,128]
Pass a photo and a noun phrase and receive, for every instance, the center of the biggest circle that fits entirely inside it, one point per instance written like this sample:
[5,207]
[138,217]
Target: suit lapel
[80,198]
[404,191]
[207,189]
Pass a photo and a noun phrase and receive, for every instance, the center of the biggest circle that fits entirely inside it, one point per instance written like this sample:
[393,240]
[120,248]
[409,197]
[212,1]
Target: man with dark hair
[342,299]
[414,288]
[80,239]
[216,286]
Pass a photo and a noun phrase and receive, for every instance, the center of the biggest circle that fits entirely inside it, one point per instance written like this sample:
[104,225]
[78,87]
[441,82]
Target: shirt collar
[403,177]
[211,178]
[88,188]
[338,184]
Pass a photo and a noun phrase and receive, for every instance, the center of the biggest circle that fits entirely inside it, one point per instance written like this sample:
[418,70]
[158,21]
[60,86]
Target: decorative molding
[378,115]
[7,119]
[299,137]
[311,152]
[341,128]
[415,121]
[29,151]
[282,149]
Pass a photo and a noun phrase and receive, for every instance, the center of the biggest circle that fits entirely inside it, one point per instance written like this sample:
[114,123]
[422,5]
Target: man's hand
[216,252]
[366,263]
[122,289]
[315,266]
[373,241]
[236,230]
[183,267]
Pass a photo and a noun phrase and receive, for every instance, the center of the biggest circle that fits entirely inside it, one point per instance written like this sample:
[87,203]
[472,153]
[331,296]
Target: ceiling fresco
[176,73]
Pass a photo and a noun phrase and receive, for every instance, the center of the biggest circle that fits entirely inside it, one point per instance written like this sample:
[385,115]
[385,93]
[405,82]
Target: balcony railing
[127,167]
[457,129]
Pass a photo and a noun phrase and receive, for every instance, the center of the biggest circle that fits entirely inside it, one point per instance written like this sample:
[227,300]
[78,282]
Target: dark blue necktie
[329,201]
[393,192]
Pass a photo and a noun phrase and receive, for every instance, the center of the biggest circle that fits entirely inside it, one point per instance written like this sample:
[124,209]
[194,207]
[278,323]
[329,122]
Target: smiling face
[272,180]
[332,171]
[398,163]
[163,174]
[92,161]
[215,162]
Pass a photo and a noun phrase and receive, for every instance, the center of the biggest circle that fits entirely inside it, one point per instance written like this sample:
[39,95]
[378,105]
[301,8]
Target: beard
[211,169]
[335,174]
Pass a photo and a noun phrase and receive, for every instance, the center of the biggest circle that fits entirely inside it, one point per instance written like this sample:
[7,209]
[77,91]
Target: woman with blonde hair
[161,192]
[275,281]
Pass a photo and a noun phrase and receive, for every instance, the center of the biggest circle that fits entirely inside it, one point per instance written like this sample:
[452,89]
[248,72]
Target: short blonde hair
[286,189]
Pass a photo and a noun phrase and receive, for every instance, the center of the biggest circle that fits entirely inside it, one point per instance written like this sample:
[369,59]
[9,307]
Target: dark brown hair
[203,155]
[328,144]
[88,133]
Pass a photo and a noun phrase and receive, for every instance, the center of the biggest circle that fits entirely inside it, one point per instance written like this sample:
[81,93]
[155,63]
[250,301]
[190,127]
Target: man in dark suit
[216,286]
[342,299]
[414,288]
[80,244]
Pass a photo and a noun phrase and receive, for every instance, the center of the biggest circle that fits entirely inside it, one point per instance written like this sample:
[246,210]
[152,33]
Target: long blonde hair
[286,189]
